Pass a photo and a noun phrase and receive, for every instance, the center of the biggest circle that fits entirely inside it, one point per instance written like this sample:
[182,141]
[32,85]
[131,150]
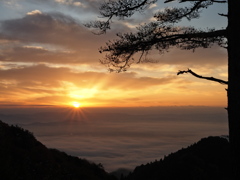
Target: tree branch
[175,15]
[121,9]
[221,14]
[203,77]
[215,1]
[147,37]
[119,52]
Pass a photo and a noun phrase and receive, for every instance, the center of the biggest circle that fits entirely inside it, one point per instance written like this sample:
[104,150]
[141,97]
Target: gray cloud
[77,44]
[53,28]
[37,54]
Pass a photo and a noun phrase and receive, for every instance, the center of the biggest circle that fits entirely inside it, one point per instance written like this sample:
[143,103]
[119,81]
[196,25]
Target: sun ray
[76,114]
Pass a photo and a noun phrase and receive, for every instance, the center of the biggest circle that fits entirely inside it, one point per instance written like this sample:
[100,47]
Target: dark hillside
[23,157]
[208,159]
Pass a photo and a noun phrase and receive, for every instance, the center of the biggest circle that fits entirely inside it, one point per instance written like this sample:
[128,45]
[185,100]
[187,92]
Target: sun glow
[76,104]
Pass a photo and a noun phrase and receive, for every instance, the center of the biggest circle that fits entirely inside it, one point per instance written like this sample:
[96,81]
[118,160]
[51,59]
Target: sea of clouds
[119,137]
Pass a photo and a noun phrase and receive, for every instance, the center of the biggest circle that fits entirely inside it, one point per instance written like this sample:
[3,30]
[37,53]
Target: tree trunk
[234,82]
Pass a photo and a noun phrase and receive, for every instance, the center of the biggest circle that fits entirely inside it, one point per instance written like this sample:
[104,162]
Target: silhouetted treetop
[161,34]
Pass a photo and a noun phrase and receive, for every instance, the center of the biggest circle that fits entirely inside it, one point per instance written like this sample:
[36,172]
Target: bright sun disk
[76,104]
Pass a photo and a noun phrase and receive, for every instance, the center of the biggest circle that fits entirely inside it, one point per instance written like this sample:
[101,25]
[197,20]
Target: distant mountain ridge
[23,157]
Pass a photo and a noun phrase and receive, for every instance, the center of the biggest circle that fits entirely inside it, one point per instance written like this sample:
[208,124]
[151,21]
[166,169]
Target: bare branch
[225,15]
[203,77]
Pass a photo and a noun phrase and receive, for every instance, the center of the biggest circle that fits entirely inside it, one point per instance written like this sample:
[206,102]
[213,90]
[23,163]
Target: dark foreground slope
[209,159]
[23,157]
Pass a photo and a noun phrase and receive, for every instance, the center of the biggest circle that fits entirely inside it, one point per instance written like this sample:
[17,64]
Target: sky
[48,57]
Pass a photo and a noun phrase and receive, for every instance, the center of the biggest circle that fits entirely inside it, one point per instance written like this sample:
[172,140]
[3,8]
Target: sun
[76,104]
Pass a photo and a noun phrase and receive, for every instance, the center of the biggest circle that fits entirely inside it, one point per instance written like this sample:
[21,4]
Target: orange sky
[47,57]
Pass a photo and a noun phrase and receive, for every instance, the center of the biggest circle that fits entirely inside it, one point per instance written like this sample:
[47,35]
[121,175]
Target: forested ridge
[23,157]
[207,159]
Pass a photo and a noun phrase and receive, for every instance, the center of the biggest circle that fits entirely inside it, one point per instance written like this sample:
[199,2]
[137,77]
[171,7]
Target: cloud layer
[120,137]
